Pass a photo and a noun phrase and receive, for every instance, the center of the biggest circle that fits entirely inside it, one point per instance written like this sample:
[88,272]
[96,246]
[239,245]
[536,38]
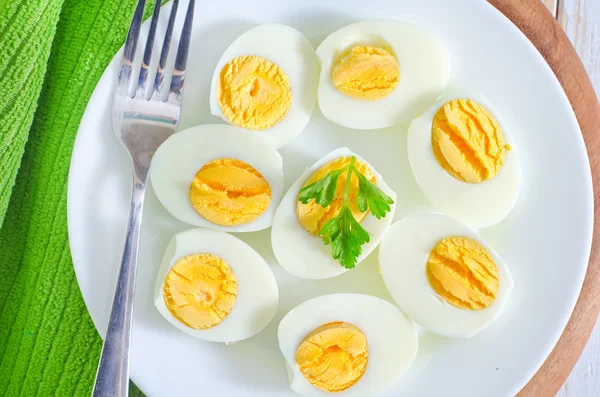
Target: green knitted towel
[52,54]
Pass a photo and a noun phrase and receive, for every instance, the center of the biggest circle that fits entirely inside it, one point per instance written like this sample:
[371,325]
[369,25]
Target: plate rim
[567,67]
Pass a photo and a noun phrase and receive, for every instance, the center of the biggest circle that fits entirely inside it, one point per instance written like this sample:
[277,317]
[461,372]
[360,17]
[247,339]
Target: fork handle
[112,378]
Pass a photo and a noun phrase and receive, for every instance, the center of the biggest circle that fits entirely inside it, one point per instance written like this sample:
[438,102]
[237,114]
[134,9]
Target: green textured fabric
[52,54]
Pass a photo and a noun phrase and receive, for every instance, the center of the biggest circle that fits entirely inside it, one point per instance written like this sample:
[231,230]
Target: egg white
[303,254]
[181,156]
[424,73]
[257,293]
[403,256]
[391,337]
[292,52]
[477,204]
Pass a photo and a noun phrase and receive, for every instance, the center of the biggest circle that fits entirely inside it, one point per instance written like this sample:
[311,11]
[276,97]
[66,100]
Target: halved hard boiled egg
[350,344]
[464,160]
[375,74]
[215,287]
[295,233]
[219,177]
[443,275]
[266,82]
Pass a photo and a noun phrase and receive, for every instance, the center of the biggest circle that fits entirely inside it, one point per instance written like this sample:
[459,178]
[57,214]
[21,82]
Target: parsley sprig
[343,232]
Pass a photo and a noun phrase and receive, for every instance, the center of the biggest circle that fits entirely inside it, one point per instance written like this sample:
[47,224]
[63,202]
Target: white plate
[546,239]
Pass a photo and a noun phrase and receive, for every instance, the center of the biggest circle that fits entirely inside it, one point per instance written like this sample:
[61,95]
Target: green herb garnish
[343,232]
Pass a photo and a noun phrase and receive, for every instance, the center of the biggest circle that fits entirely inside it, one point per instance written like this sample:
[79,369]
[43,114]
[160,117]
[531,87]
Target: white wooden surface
[584,381]
[581,21]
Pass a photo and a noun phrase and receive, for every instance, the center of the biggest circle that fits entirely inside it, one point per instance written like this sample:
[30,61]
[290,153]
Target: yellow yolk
[463,272]
[253,92]
[200,290]
[229,192]
[366,73]
[467,141]
[334,356]
[312,216]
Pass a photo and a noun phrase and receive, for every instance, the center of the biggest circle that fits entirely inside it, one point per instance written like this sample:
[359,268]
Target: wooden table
[581,21]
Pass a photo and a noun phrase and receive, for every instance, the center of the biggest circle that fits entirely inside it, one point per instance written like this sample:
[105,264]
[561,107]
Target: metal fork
[141,125]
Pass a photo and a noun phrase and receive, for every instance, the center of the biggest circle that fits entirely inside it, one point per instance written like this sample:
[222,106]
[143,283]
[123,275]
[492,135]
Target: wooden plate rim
[542,29]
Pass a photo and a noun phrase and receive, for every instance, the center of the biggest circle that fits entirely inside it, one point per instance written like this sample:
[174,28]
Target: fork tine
[164,53]
[130,46]
[178,78]
[148,50]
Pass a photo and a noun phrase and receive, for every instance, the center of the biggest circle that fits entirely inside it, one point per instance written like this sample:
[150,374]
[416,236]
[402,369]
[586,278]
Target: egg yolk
[253,92]
[467,141]
[200,290]
[366,73]
[229,192]
[313,216]
[463,272]
[334,356]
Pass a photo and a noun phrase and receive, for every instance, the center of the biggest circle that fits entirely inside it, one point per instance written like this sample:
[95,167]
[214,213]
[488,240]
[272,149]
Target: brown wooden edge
[536,22]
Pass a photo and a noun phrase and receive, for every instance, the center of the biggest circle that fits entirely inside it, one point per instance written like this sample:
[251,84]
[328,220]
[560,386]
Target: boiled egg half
[464,160]
[219,177]
[266,82]
[443,275]
[347,344]
[215,287]
[375,74]
[295,233]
